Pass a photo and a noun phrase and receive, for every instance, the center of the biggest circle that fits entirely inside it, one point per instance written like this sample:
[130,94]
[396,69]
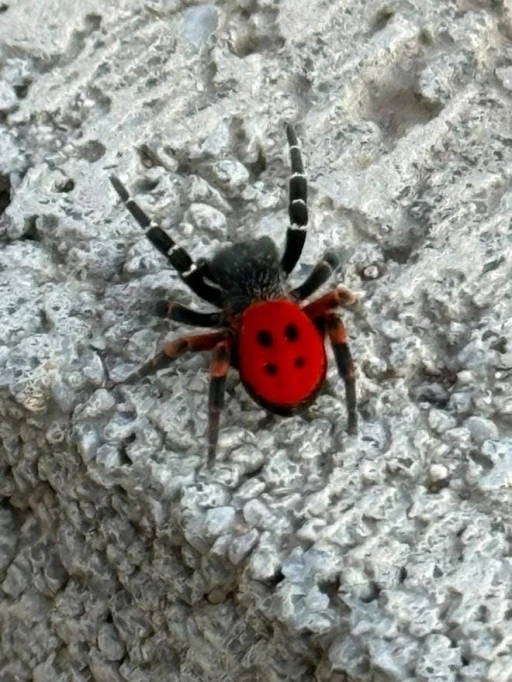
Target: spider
[264,328]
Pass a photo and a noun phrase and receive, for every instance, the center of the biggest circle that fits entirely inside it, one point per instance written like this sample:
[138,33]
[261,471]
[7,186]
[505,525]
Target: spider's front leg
[193,274]
[297,206]
[320,311]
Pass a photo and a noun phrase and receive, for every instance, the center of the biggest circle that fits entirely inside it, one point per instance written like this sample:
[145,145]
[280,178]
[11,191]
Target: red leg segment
[173,350]
[340,297]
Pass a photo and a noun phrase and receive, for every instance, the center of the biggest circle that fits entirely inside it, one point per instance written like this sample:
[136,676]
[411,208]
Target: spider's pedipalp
[188,271]
[297,207]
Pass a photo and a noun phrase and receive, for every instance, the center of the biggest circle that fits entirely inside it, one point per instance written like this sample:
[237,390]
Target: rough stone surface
[303,554]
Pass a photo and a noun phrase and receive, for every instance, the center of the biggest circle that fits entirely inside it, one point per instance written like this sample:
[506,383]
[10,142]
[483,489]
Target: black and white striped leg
[218,370]
[297,208]
[319,275]
[189,272]
[182,314]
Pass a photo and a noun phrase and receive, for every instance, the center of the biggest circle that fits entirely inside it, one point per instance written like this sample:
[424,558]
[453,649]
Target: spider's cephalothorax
[265,329]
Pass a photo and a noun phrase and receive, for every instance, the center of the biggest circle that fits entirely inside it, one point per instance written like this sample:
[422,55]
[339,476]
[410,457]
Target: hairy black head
[247,272]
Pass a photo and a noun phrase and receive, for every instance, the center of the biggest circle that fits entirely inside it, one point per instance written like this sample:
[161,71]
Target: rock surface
[303,554]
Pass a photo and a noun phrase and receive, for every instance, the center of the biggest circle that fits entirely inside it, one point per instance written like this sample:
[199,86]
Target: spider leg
[320,311]
[339,297]
[318,276]
[184,315]
[218,370]
[173,350]
[297,206]
[338,337]
[189,272]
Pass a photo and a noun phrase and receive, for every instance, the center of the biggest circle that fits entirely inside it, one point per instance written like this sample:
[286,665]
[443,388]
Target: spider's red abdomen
[282,359]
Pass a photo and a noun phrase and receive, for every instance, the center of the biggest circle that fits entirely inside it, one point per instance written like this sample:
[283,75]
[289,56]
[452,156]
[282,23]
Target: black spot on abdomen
[264,338]
[291,332]
[271,368]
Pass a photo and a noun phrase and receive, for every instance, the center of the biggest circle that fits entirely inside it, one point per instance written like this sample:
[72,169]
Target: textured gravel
[303,554]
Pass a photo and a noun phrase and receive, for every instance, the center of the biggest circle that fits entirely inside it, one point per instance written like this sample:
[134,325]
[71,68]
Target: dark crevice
[92,22]
[479,458]
[66,185]
[435,487]
[92,151]
[259,166]
[374,595]
[435,394]
[5,192]
[46,323]
[31,233]
[148,157]
[22,90]
[261,30]
[239,145]
[381,20]
[331,588]
[399,254]
[145,185]
[123,454]
[277,578]
[397,103]
[258,42]
[76,45]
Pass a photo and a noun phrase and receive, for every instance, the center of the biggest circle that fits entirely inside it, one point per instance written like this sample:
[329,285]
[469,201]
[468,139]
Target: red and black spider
[265,330]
